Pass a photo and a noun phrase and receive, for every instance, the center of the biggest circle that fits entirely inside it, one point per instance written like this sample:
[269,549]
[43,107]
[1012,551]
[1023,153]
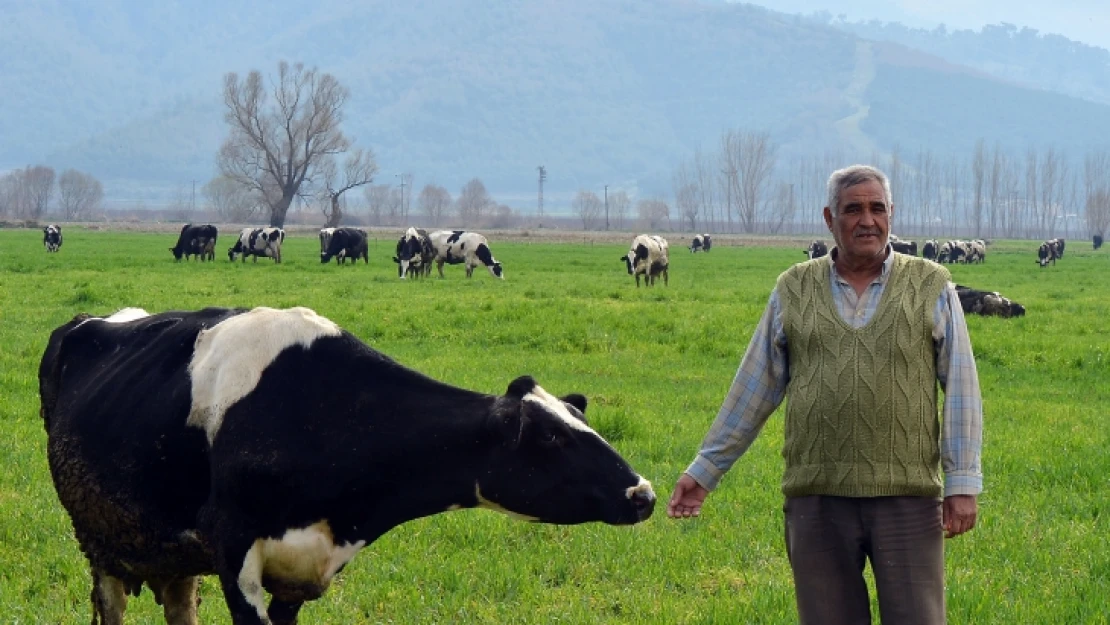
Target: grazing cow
[199,241]
[1059,247]
[1096,240]
[975,251]
[52,237]
[346,243]
[325,238]
[950,252]
[257,242]
[987,303]
[1046,253]
[701,242]
[908,248]
[269,446]
[414,254]
[816,249]
[648,256]
[459,246]
[930,249]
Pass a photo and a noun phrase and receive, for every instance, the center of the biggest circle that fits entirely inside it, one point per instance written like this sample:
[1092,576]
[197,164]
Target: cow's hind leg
[109,599]
[284,612]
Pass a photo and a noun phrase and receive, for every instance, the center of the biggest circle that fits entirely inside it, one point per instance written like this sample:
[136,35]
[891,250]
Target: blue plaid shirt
[760,385]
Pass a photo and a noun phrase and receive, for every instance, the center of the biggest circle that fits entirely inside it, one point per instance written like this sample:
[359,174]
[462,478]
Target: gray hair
[842,179]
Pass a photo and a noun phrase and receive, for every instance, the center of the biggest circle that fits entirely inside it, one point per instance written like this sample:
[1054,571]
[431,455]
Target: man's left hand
[959,512]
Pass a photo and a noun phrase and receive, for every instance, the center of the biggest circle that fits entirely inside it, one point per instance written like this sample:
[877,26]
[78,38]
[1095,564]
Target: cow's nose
[643,500]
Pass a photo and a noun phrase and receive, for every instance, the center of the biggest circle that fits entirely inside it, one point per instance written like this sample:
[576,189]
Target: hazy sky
[1083,20]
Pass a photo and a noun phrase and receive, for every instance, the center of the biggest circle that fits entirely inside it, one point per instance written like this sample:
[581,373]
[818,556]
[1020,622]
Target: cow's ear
[576,400]
[520,387]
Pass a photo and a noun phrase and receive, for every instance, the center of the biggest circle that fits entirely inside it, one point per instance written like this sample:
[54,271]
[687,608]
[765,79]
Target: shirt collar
[887,264]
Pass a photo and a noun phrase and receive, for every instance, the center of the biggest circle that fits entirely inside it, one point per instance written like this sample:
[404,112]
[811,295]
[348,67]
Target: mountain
[615,92]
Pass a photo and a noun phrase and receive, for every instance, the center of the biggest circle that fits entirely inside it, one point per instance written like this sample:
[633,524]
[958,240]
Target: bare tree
[685,197]
[279,147]
[749,159]
[230,200]
[503,216]
[40,186]
[472,202]
[781,208]
[1096,183]
[618,205]
[377,201]
[978,185]
[704,175]
[79,194]
[358,169]
[587,206]
[653,212]
[434,202]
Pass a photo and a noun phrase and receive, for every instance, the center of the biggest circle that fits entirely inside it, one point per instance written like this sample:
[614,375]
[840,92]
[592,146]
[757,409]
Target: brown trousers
[828,540]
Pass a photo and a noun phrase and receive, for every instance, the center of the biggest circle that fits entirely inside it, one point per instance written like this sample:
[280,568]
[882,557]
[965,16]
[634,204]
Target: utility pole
[606,207]
[402,177]
[543,176]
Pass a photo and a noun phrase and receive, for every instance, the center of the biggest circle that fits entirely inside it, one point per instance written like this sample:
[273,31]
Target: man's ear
[828,218]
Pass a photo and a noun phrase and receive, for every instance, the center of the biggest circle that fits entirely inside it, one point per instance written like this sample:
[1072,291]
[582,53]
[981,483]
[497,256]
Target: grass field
[655,364]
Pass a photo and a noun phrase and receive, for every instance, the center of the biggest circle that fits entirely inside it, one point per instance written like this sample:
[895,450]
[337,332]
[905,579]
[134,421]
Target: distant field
[655,364]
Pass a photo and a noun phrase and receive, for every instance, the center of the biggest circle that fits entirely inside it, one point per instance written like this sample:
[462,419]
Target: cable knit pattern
[861,414]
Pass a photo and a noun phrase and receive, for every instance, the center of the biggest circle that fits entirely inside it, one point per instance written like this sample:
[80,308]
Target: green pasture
[655,364]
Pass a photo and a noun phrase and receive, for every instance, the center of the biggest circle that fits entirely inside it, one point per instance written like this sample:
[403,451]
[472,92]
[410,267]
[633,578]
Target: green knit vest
[861,414]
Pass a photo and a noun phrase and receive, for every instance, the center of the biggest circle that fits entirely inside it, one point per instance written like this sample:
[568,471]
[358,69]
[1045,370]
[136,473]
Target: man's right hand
[686,500]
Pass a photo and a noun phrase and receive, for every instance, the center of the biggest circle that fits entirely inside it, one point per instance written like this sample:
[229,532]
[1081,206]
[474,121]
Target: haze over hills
[612,92]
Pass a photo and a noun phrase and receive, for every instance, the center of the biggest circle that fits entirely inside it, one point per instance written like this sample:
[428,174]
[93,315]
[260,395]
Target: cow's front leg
[179,599]
[284,612]
[109,598]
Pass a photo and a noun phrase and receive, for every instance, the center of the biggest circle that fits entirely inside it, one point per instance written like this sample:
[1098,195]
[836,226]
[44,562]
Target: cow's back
[115,399]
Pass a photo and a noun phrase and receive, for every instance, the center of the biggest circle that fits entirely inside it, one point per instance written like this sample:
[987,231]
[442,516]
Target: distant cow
[265,242]
[1046,253]
[1060,243]
[648,256]
[52,237]
[908,248]
[346,243]
[950,252]
[987,303]
[269,446]
[975,251]
[414,254]
[459,246]
[701,242]
[930,249]
[816,249]
[1097,241]
[199,241]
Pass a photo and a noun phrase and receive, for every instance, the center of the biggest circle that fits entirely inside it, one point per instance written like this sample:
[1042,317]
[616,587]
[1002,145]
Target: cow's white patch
[555,405]
[307,556]
[250,580]
[644,487]
[229,358]
[496,507]
[126,314]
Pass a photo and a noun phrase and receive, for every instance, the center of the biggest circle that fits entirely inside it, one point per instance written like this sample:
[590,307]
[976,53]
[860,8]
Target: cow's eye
[550,438]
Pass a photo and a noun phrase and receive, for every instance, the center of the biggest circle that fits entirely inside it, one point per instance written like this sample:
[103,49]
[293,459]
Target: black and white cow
[648,256]
[414,254]
[199,241]
[346,243]
[701,242]
[1047,253]
[930,249]
[816,249]
[459,246]
[975,251]
[951,252]
[52,237]
[265,242]
[1060,244]
[987,303]
[269,446]
[908,248]
[1096,240]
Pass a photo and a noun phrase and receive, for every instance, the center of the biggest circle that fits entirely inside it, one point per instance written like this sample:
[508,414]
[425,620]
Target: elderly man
[858,341]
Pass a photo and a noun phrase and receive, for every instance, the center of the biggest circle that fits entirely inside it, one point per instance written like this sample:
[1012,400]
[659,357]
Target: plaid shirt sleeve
[961,437]
[756,391]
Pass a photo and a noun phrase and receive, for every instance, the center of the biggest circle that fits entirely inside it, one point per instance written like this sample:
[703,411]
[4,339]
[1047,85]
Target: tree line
[26,194]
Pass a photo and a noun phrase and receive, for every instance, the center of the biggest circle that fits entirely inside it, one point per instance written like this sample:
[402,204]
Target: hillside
[600,93]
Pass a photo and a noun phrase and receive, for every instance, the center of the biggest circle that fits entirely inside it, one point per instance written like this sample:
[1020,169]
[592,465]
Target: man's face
[861,222]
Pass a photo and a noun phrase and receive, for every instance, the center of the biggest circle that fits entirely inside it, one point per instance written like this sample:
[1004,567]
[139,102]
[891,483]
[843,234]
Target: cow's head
[635,255]
[408,256]
[995,304]
[549,466]
[496,270]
